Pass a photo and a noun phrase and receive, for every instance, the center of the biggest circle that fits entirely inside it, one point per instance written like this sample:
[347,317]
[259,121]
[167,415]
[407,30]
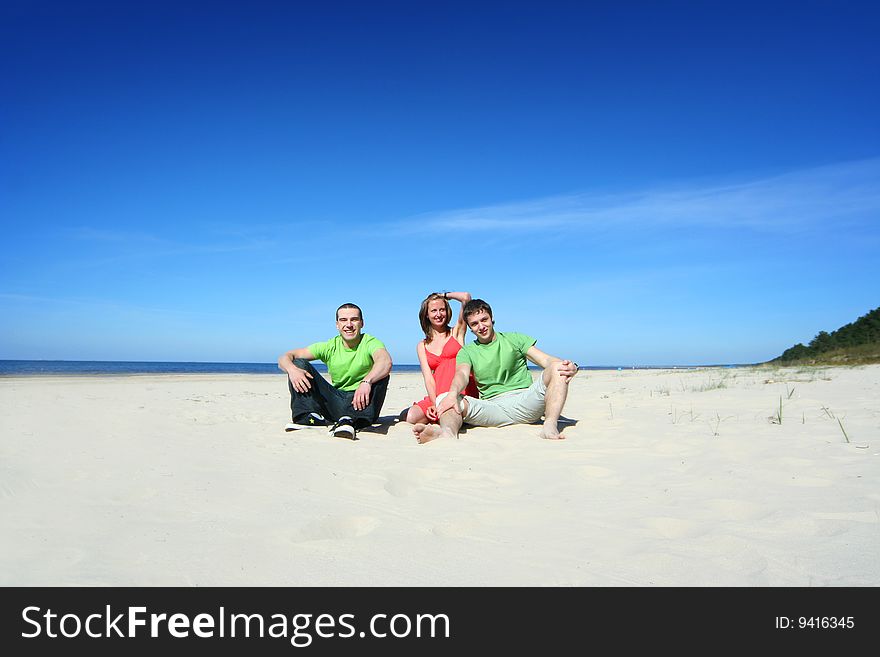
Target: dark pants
[333,403]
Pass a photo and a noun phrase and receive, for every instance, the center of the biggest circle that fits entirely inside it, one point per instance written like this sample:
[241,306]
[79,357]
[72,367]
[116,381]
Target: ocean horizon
[109,367]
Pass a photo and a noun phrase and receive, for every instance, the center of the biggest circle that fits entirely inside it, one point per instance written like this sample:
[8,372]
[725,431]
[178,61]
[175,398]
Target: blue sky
[629,182]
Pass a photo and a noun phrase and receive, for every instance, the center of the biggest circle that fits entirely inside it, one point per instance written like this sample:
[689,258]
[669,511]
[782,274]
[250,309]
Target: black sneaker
[344,428]
[307,420]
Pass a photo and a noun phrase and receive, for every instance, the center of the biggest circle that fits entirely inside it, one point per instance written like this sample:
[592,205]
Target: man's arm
[459,383]
[565,368]
[381,368]
[381,365]
[299,379]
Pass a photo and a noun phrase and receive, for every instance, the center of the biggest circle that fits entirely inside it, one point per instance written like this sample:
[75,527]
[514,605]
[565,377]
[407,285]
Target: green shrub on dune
[855,343]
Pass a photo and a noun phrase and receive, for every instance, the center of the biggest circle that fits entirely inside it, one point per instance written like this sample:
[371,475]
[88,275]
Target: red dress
[443,367]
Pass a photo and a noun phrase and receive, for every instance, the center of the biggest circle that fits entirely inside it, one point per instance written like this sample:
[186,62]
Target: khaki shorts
[517,407]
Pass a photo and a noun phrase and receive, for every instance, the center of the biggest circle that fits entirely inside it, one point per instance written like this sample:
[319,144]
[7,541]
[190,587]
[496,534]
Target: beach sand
[666,478]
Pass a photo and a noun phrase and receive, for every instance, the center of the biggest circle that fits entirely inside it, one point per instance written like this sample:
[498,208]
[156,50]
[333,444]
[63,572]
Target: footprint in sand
[809,482]
[336,528]
[401,483]
[870,517]
[455,528]
[596,471]
[740,510]
[13,482]
[598,475]
[667,527]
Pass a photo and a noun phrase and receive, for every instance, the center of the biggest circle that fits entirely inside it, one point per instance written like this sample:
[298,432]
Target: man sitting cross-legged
[507,393]
[359,366]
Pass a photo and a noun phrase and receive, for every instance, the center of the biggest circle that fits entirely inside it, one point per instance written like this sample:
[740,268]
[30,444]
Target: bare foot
[550,432]
[427,432]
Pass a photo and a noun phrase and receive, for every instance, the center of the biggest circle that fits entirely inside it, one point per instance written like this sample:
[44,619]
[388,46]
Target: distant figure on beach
[507,393]
[437,353]
[359,367]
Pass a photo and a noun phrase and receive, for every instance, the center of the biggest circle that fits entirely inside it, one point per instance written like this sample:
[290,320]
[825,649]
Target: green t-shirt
[347,367]
[499,366]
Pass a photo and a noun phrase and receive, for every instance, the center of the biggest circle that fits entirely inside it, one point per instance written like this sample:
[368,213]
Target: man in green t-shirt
[359,366]
[507,393]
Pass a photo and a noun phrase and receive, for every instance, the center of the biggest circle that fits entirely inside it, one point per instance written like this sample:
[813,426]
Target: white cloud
[790,201]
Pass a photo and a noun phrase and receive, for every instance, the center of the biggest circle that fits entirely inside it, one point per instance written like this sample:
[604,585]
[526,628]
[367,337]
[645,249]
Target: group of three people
[481,383]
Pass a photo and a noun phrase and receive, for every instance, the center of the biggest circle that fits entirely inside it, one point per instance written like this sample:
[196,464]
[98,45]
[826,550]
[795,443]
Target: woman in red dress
[437,353]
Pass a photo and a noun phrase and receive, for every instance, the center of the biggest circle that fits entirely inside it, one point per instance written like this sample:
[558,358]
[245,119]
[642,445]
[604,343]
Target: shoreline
[414,370]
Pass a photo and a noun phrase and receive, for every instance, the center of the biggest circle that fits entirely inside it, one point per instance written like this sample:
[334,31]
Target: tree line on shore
[855,342]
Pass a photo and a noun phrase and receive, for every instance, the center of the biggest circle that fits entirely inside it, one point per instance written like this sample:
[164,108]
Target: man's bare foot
[550,432]
[427,432]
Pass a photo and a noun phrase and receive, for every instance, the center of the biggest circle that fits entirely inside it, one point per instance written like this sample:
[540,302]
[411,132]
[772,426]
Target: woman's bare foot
[427,432]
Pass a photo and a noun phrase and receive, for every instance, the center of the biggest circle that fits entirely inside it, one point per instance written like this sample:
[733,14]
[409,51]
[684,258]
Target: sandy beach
[706,477]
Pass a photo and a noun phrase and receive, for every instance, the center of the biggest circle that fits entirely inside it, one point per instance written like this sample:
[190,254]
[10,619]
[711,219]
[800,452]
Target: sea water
[104,367]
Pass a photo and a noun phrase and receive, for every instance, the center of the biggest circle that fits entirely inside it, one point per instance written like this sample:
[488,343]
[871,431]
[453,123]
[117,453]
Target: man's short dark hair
[350,305]
[475,306]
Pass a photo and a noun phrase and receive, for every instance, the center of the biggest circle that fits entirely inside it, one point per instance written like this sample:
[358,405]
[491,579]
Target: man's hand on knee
[448,403]
[567,369]
[361,396]
[299,379]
